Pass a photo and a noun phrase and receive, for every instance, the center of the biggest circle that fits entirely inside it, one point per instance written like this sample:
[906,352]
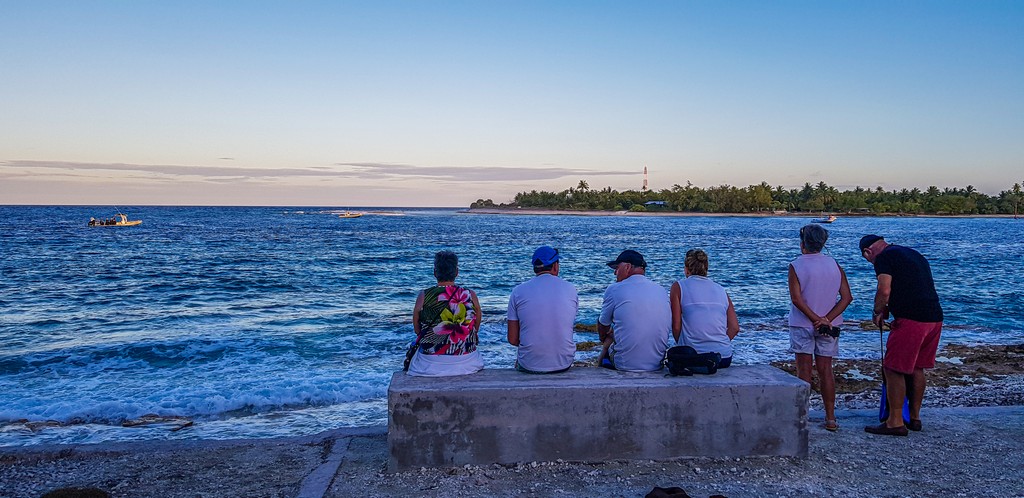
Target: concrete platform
[594,414]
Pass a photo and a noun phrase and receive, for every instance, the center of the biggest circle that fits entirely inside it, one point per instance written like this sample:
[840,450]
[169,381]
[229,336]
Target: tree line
[765,198]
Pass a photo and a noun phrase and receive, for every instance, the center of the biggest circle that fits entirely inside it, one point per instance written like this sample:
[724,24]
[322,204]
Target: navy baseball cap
[629,256]
[867,240]
[544,256]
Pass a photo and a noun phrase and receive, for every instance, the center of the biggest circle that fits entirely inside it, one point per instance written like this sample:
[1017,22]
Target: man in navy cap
[635,317]
[905,289]
[541,315]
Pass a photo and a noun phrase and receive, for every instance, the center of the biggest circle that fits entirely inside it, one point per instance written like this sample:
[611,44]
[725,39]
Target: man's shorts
[527,370]
[911,345]
[807,341]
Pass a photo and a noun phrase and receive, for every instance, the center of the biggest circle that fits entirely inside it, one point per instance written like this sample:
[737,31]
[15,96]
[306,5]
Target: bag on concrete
[673,492]
[684,360]
[413,346]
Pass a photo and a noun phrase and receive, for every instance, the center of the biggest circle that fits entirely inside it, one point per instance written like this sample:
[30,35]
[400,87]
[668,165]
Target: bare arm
[881,310]
[845,298]
[476,308]
[797,298]
[604,331]
[732,322]
[416,314]
[513,332]
[677,310]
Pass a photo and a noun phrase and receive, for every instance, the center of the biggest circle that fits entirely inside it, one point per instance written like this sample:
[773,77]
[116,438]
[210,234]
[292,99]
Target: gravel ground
[960,452]
[972,445]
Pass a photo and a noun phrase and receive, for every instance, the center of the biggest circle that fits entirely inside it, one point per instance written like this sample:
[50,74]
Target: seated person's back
[541,315]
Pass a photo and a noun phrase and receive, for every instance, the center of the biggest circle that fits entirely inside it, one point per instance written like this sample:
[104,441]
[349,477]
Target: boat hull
[119,224]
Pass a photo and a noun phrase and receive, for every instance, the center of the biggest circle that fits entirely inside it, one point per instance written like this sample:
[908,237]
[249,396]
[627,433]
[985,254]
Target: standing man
[905,289]
[635,318]
[541,315]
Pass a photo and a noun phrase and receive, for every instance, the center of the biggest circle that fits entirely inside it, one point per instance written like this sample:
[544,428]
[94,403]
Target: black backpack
[684,360]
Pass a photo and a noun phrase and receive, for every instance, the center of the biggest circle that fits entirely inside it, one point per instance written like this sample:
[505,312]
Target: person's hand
[879,318]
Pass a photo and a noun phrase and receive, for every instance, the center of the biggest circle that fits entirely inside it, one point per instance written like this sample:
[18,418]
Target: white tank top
[819,285]
[705,306]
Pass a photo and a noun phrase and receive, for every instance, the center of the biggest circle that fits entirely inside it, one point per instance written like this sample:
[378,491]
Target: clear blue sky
[441,103]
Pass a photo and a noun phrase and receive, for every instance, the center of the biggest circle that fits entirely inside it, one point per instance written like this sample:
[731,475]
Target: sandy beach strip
[762,214]
[962,451]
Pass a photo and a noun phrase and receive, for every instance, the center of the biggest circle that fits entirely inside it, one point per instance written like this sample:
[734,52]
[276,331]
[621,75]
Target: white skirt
[445,365]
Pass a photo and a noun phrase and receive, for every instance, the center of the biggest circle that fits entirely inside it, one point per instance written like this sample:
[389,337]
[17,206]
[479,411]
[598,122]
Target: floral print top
[447,321]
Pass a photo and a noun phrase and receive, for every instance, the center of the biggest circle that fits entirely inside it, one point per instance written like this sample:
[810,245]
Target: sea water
[266,322]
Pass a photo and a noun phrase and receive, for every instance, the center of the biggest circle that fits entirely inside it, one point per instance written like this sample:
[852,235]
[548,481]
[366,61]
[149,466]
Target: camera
[827,330]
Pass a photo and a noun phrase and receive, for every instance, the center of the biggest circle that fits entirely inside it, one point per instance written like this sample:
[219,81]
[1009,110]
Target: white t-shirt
[545,307]
[819,279]
[639,313]
[705,308]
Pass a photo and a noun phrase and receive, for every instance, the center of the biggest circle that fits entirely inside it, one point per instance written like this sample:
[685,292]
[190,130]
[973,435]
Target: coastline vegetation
[765,198]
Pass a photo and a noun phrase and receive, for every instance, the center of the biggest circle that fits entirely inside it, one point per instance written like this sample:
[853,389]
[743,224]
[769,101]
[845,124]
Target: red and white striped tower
[644,188]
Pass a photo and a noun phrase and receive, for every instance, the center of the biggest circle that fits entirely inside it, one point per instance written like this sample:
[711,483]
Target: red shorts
[911,345]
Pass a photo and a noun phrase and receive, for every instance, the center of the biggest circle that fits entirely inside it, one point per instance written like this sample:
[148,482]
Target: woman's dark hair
[446,266]
[696,262]
[813,237]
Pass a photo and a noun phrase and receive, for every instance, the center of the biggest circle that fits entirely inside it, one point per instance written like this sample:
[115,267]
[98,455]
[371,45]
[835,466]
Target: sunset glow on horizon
[442,103]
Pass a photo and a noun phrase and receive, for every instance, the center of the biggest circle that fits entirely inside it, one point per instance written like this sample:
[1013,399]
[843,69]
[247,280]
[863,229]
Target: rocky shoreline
[971,445]
[963,376]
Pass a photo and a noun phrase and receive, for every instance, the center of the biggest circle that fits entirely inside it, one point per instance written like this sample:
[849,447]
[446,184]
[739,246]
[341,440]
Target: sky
[440,103]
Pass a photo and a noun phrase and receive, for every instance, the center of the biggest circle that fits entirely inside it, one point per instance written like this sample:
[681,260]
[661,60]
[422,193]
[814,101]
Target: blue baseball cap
[544,256]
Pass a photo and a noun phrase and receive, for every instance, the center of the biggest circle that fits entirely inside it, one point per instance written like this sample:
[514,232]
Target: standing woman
[702,311]
[819,294]
[446,319]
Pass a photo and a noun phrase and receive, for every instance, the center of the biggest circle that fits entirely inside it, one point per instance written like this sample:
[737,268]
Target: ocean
[269,322]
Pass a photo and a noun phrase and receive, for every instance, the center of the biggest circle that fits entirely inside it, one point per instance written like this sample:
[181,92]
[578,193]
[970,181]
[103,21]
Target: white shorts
[807,341]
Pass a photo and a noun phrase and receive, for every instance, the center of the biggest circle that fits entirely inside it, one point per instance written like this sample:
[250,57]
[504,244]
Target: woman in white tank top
[703,316]
[819,294]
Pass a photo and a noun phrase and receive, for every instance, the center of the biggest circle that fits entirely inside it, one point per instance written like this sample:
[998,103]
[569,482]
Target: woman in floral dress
[446,320]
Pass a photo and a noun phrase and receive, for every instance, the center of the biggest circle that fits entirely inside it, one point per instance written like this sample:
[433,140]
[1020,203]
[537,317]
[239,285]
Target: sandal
[831,425]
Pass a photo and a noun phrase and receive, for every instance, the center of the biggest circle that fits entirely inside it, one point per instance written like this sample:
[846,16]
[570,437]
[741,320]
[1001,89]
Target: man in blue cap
[635,317]
[541,315]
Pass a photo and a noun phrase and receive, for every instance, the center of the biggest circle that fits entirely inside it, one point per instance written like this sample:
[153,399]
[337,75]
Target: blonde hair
[696,262]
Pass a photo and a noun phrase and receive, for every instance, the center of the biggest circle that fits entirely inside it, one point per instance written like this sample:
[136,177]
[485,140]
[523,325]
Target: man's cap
[867,240]
[629,256]
[544,256]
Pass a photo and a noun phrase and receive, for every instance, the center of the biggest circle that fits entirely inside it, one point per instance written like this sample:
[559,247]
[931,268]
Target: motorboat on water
[829,219]
[349,214]
[119,220]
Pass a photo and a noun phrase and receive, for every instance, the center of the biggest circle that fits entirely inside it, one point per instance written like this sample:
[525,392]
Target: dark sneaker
[914,425]
[881,429]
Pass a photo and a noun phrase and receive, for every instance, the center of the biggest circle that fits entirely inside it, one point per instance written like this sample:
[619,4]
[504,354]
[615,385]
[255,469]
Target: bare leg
[827,381]
[916,394]
[895,392]
[804,362]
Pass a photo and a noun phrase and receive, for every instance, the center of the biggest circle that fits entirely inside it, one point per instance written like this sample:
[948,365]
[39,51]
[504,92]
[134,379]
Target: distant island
[763,198]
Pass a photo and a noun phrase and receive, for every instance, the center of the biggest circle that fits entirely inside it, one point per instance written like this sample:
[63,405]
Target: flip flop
[831,425]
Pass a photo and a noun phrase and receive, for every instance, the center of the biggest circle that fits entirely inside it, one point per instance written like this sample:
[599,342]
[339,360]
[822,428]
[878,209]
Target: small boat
[349,214]
[830,219]
[119,220]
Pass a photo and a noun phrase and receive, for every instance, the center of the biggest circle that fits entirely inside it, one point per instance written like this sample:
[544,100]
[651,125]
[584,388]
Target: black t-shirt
[913,293]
